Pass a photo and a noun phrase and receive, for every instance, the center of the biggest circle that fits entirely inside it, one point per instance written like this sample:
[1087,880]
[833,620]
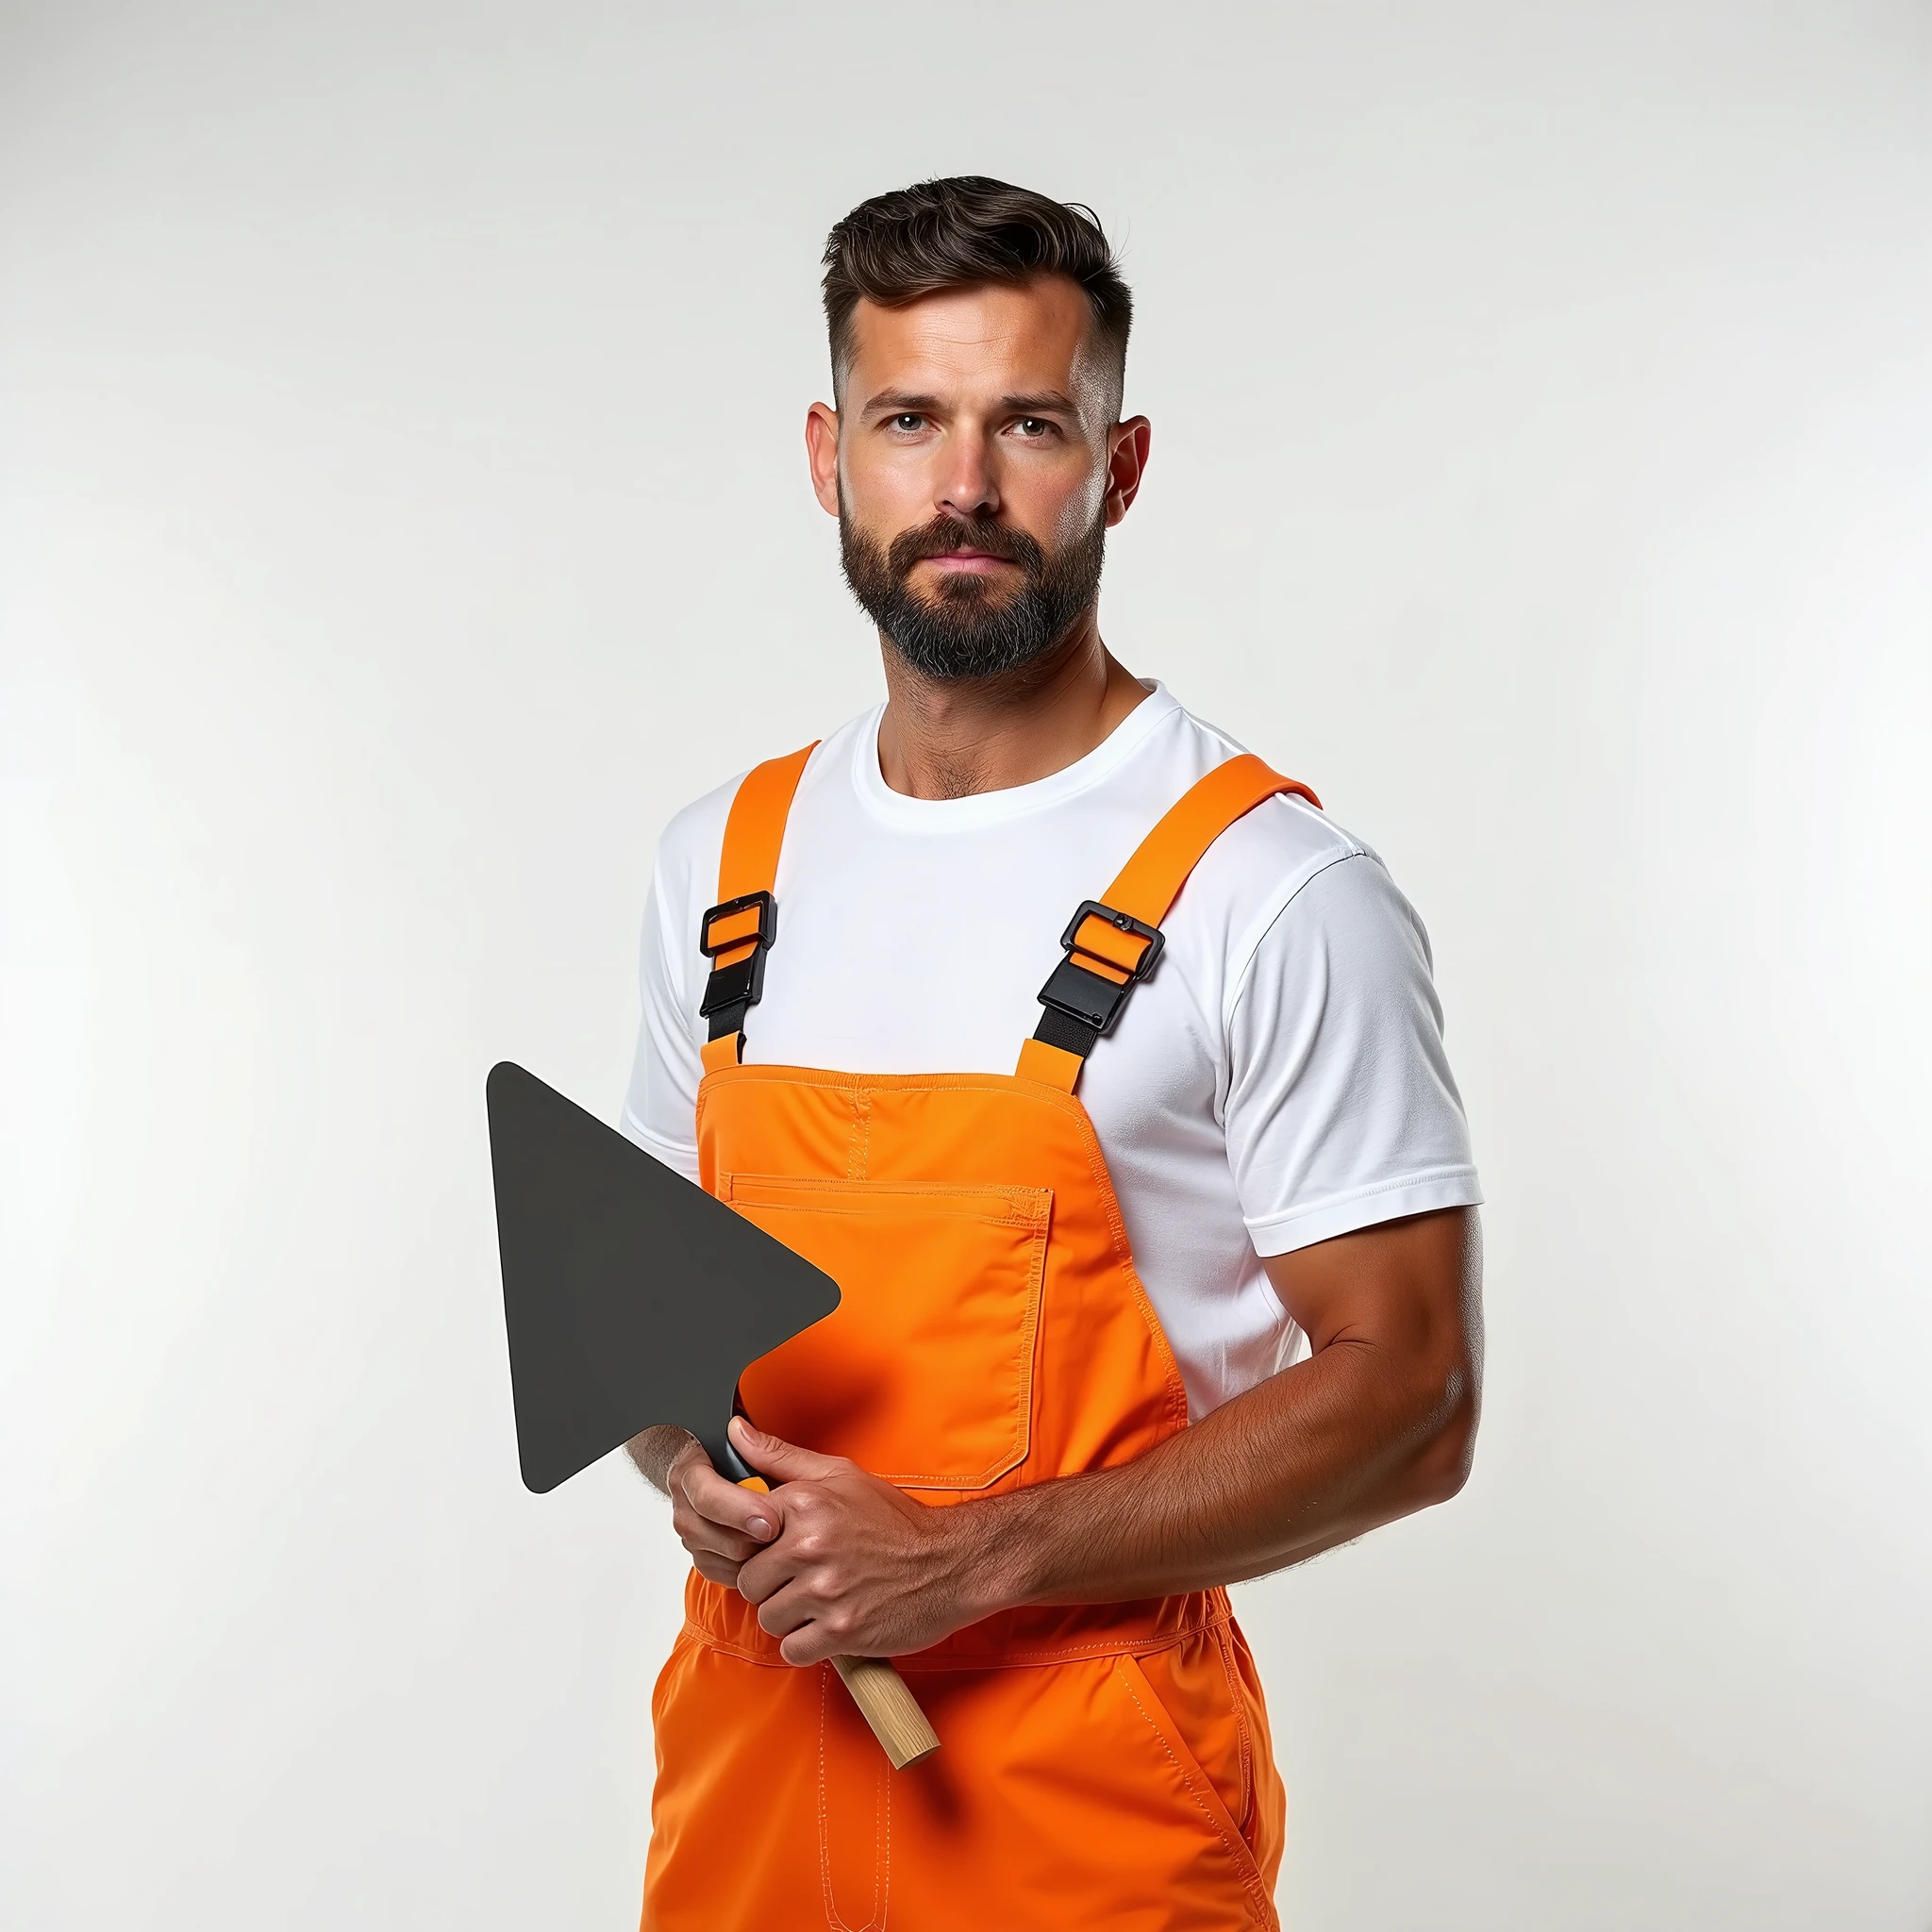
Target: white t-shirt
[1279,1080]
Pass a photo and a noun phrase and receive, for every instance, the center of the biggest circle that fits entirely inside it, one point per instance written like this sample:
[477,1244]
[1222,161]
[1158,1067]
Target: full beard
[972,628]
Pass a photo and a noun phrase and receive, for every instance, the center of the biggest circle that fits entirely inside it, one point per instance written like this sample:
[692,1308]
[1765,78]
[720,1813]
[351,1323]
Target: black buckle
[742,984]
[1088,998]
[1123,922]
[768,924]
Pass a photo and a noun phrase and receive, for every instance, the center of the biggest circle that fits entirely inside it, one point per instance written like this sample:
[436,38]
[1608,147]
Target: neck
[944,739]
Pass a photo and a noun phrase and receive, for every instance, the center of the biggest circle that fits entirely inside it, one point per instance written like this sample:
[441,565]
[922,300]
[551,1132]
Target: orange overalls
[1102,1765]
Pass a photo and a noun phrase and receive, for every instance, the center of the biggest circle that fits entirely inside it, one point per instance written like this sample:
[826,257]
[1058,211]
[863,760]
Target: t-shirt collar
[979,809]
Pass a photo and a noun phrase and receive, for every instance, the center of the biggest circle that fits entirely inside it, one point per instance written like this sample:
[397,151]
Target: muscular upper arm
[1409,1294]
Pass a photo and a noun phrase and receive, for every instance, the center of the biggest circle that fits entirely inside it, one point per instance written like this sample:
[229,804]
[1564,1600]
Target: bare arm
[1379,1421]
[656,1450]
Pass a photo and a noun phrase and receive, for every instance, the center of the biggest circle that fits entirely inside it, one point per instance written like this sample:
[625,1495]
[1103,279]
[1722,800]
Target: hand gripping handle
[876,1688]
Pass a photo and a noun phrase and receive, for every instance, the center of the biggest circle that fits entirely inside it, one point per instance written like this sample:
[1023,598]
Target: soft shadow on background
[403,510]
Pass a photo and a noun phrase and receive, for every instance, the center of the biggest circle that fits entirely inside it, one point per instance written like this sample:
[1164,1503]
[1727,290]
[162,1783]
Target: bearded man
[1156,1278]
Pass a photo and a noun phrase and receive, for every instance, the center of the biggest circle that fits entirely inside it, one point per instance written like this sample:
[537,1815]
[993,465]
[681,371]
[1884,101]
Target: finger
[747,1511]
[716,1569]
[783,1461]
[790,1609]
[765,1572]
[699,1532]
[688,1460]
[809,1629]
[702,1537]
[812,1643]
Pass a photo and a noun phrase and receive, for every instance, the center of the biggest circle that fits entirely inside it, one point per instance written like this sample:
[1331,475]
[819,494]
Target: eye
[1033,428]
[907,420]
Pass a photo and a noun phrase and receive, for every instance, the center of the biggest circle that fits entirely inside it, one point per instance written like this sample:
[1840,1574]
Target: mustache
[945,534]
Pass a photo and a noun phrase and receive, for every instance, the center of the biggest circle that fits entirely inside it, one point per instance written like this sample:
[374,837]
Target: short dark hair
[960,231]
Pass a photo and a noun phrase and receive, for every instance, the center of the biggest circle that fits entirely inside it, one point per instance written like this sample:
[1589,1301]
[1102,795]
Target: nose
[966,484]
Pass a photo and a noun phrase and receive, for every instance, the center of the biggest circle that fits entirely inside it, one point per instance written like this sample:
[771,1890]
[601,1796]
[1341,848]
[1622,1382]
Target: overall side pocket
[1206,1796]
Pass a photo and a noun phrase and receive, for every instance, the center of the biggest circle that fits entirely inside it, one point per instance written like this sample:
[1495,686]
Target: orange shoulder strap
[1112,944]
[738,931]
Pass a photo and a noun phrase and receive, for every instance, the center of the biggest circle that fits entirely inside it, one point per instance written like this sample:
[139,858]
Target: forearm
[655,1450]
[1314,1456]
[1379,1421]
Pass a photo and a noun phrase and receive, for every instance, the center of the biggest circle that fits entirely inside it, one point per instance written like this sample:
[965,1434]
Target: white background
[403,510]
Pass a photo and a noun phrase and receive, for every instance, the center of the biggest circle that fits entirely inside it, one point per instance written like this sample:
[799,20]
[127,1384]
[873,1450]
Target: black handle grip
[724,1458]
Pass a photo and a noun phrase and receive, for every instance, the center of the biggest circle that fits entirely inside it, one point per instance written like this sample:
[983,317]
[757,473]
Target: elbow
[1446,1451]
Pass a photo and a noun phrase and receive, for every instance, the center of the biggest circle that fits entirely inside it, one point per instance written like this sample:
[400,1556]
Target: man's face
[974,469]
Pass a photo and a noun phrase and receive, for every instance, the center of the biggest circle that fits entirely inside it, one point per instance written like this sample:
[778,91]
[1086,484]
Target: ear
[1126,464]
[822,453]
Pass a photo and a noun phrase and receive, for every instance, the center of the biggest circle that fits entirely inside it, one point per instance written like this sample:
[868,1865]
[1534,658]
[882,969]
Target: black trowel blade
[632,1297]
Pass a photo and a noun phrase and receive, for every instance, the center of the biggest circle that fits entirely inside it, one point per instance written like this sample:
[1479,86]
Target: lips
[960,547]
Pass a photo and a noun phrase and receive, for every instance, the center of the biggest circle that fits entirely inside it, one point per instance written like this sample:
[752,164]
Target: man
[1187,1293]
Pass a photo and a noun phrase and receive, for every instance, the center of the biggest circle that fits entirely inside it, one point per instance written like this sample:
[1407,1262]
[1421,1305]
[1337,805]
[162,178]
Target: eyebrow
[1047,402]
[894,402]
[899,402]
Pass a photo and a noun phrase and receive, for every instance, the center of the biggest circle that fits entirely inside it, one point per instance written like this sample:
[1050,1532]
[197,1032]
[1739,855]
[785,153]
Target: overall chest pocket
[923,1374]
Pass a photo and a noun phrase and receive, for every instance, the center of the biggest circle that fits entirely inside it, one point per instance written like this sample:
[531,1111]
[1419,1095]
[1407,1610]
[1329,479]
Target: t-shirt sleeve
[660,1105]
[1342,1111]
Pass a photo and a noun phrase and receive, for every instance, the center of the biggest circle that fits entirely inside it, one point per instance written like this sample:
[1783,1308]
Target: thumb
[783,1461]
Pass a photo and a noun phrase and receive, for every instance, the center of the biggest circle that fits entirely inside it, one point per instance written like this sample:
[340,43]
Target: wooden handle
[889,1708]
